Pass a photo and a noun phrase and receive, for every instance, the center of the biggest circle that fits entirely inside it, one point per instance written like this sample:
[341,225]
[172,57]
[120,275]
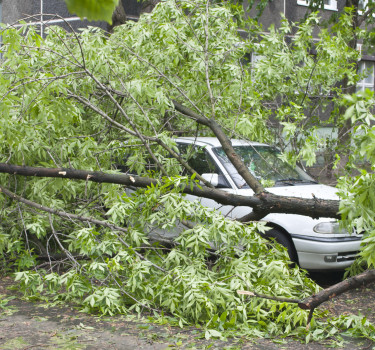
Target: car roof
[214,142]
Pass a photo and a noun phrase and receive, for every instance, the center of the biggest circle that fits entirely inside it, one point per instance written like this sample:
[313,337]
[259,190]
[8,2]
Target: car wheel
[282,239]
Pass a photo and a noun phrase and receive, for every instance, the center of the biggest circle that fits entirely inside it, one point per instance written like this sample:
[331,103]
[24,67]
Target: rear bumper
[328,253]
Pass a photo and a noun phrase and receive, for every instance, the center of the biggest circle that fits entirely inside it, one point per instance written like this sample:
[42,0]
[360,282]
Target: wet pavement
[37,325]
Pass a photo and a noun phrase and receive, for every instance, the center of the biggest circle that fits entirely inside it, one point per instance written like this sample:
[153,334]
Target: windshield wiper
[310,181]
[291,181]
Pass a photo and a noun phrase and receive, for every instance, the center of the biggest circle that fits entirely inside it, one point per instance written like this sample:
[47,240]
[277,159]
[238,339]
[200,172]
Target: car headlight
[329,228]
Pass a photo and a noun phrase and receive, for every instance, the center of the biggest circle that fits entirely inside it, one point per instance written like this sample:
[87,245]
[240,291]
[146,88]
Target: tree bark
[312,302]
[254,184]
[118,17]
[263,203]
[360,280]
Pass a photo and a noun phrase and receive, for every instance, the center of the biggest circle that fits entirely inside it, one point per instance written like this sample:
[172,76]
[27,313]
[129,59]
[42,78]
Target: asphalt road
[38,325]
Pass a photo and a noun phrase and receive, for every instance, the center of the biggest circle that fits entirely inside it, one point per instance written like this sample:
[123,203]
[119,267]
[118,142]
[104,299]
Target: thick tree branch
[237,162]
[329,293]
[118,17]
[315,300]
[365,15]
[252,216]
[264,204]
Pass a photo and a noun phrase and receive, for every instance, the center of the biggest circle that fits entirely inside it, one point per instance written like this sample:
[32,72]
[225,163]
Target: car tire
[284,240]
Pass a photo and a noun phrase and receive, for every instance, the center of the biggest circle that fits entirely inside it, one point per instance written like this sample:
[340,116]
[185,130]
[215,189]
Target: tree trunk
[118,17]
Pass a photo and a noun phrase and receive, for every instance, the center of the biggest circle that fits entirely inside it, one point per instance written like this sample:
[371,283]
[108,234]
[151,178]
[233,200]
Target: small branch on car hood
[252,216]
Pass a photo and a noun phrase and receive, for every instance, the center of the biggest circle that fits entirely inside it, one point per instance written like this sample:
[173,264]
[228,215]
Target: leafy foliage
[97,102]
[358,192]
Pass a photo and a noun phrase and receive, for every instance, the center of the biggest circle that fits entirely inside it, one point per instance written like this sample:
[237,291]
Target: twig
[113,227]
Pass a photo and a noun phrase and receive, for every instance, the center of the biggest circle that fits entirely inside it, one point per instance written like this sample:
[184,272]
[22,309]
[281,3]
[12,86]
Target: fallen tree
[264,203]
[74,105]
[310,303]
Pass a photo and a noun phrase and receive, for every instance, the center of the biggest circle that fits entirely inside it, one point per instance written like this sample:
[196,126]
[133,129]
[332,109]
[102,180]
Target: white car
[315,244]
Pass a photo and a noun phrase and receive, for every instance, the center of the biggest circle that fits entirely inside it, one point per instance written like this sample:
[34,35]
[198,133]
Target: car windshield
[264,163]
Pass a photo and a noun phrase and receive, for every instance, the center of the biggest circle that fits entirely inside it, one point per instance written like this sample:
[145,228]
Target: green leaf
[93,10]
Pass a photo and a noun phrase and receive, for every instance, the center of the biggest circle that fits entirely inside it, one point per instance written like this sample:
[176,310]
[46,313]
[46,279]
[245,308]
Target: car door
[200,159]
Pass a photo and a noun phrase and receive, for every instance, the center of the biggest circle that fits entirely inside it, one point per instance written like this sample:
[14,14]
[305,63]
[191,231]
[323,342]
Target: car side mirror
[212,178]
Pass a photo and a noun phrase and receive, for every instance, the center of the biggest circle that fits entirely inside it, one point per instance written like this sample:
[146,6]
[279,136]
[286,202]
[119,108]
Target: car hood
[300,191]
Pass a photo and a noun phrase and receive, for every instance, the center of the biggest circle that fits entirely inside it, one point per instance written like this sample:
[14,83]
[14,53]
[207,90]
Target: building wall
[291,9]
[271,14]
[295,12]
[132,8]
[13,10]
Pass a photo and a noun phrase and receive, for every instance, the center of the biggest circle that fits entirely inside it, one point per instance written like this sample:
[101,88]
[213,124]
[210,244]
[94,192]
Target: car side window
[199,159]
[144,163]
